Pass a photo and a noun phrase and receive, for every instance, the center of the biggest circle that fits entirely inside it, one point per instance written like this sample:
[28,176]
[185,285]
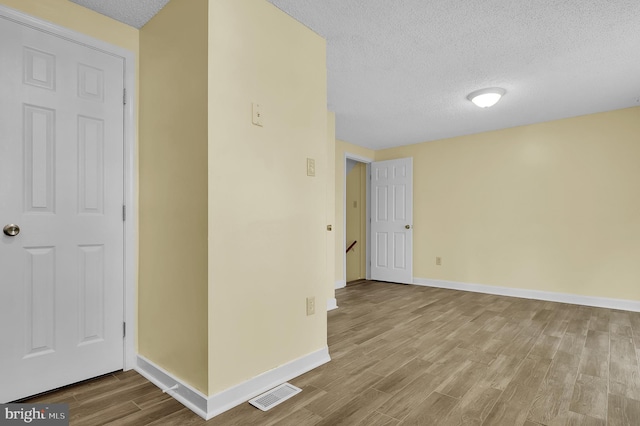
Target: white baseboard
[191,398]
[332,303]
[208,407]
[573,299]
[341,284]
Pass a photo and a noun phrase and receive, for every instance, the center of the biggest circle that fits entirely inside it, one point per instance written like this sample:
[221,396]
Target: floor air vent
[275,396]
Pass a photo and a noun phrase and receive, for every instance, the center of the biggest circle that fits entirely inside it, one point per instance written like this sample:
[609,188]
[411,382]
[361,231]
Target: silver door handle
[11,230]
[407,226]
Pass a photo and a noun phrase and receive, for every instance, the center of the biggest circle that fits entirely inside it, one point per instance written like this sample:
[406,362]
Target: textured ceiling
[131,12]
[399,71]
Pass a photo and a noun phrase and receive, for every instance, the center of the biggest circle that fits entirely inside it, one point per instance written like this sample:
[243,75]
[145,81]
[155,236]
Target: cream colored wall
[356,225]
[343,148]
[173,191]
[552,206]
[267,218]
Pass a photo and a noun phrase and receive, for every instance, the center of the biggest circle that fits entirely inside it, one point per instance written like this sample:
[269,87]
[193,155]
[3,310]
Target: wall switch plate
[257,114]
[311,305]
[311,167]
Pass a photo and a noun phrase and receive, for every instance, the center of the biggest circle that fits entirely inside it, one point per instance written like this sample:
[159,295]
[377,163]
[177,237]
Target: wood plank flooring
[409,355]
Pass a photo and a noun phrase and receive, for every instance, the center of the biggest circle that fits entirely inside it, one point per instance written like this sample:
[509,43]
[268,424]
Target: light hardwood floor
[409,355]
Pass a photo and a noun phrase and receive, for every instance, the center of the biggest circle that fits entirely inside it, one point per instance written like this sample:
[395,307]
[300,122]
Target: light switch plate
[311,305]
[257,114]
[311,167]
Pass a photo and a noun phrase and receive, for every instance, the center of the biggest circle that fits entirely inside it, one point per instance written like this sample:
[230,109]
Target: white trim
[573,299]
[131,224]
[130,169]
[340,284]
[332,303]
[243,392]
[355,157]
[188,396]
[208,407]
[367,256]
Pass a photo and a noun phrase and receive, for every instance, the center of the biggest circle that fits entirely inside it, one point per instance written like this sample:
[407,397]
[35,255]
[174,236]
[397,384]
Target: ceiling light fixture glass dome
[485,98]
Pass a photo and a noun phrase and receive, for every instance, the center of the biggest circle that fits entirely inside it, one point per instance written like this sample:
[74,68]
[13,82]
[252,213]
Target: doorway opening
[356,250]
[388,220]
[356,225]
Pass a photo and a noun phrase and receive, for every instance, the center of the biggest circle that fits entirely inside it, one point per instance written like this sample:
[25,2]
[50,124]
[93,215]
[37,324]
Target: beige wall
[172,291]
[356,221]
[267,218]
[552,206]
[343,148]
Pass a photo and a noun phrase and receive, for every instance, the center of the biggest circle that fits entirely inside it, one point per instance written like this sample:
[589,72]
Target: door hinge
[124,213]
[124,96]
[124,330]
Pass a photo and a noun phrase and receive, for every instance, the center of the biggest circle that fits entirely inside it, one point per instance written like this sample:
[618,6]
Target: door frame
[367,161]
[129,163]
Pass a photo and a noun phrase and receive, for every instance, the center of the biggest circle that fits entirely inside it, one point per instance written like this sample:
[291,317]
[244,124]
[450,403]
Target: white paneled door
[392,220]
[61,183]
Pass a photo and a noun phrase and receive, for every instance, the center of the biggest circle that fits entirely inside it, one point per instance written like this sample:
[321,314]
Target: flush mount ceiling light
[484,98]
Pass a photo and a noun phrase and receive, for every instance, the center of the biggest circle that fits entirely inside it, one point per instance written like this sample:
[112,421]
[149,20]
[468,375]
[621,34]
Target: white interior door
[392,221]
[61,182]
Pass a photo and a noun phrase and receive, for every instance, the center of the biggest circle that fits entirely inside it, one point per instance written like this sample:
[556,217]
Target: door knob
[407,226]
[11,230]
